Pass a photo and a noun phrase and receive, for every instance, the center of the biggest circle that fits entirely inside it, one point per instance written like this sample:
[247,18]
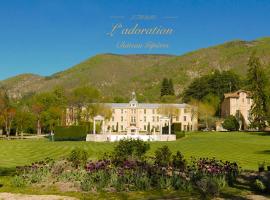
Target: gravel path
[10,196]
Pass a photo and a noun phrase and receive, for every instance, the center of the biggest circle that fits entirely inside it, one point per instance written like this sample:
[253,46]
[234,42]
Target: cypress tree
[164,87]
[257,82]
[171,89]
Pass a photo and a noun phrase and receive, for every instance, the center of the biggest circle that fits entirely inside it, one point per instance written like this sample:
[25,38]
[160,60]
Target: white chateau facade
[144,121]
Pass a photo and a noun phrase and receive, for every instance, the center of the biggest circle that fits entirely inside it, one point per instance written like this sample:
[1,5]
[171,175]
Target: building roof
[144,105]
[236,94]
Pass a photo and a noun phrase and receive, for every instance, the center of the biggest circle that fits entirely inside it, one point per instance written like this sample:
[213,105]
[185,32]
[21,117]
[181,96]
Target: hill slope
[118,75]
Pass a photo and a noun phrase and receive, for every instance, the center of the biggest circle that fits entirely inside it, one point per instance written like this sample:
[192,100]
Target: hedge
[180,134]
[71,133]
[175,127]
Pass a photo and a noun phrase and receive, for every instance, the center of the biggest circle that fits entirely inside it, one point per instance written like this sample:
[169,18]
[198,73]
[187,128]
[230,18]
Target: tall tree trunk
[21,132]
[38,127]
[6,127]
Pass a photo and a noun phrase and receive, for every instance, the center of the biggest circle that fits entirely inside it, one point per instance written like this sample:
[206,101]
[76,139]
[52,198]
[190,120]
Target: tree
[168,110]
[231,123]
[95,109]
[216,83]
[171,88]
[116,129]
[23,119]
[148,127]
[206,111]
[82,96]
[167,88]
[49,109]
[7,110]
[256,84]
[164,87]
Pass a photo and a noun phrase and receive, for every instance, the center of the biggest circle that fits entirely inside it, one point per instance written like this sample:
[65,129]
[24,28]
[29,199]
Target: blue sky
[47,36]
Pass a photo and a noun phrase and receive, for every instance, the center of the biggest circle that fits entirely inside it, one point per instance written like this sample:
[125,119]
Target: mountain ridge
[117,75]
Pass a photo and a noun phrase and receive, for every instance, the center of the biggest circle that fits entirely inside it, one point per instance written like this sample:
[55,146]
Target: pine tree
[171,88]
[164,87]
[257,82]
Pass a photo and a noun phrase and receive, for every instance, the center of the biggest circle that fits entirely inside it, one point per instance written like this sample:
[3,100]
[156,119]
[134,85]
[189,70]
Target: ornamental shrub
[231,123]
[130,149]
[78,157]
[178,161]
[163,156]
[259,185]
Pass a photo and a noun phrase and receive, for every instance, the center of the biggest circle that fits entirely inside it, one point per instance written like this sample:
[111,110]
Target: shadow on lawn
[263,152]
[260,133]
[4,171]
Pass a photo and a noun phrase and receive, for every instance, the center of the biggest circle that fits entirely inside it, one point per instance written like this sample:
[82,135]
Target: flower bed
[128,169]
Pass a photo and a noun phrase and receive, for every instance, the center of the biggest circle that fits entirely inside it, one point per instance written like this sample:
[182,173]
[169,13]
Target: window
[122,128]
[185,118]
[144,111]
[113,118]
[122,119]
[112,127]
[133,119]
[153,118]
[153,111]
[144,119]
[157,118]
[122,111]
[144,127]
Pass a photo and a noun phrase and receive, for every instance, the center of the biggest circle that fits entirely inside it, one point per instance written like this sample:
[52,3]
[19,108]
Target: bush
[176,127]
[78,157]
[208,187]
[19,181]
[72,133]
[130,149]
[163,156]
[180,135]
[231,123]
[178,161]
[259,185]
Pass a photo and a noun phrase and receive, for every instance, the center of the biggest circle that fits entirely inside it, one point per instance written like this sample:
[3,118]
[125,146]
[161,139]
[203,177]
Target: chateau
[135,118]
[237,104]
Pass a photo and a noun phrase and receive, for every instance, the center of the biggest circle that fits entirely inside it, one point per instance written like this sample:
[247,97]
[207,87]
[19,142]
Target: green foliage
[180,134]
[84,95]
[167,88]
[216,84]
[231,123]
[176,127]
[70,133]
[178,161]
[163,156]
[257,83]
[130,149]
[259,185]
[208,187]
[78,157]
[19,181]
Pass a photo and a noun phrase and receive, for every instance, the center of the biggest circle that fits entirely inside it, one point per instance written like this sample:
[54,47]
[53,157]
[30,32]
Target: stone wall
[113,138]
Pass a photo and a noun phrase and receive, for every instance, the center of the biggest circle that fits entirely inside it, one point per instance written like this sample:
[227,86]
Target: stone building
[237,104]
[145,118]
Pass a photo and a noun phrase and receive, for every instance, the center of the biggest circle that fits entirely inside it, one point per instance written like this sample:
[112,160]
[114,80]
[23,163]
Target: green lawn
[248,149]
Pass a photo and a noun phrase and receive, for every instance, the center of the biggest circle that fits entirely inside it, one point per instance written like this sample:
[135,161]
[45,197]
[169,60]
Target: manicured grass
[247,149]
